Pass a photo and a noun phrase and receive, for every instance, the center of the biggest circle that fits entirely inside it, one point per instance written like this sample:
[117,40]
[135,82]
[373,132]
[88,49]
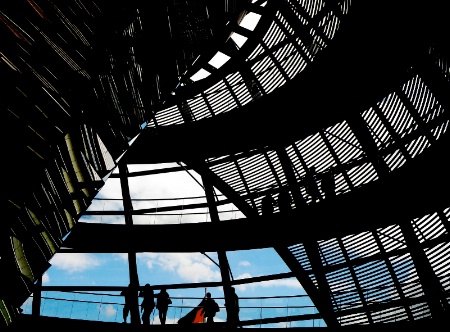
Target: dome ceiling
[349,87]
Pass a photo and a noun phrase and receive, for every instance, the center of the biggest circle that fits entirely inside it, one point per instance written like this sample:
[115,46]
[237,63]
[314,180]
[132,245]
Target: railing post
[134,278]
[36,305]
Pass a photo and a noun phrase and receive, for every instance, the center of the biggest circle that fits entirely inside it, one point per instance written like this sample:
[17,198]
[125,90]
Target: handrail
[104,307]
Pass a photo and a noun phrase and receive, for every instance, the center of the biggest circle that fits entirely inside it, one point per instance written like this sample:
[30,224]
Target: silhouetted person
[284,201]
[162,304]
[327,184]
[127,294]
[267,204]
[311,184]
[211,308]
[147,304]
[233,310]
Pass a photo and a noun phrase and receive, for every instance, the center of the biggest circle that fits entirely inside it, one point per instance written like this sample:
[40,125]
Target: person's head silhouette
[208,295]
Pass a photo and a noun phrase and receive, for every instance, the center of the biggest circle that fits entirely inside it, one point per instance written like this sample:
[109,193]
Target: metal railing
[276,311]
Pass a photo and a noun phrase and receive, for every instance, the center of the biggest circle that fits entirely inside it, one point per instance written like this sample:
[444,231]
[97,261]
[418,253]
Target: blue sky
[81,269]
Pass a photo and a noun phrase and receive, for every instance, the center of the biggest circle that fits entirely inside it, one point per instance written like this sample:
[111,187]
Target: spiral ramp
[358,87]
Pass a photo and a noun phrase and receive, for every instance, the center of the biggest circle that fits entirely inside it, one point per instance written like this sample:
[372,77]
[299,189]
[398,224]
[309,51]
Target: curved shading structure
[256,98]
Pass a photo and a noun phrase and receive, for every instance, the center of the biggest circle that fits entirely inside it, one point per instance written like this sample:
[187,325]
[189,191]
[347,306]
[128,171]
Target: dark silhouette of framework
[358,86]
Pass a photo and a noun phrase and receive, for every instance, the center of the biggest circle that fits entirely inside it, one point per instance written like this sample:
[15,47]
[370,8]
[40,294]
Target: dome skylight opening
[238,39]
[250,21]
[218,60]
[201,74]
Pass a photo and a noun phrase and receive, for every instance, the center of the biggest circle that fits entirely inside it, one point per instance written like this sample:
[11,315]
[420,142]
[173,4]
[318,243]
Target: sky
[85,269]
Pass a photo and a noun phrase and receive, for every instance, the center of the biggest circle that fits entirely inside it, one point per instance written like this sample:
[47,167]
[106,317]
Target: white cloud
[152,192]
[244,276]
[149,264]
[191,267]
[74,262]
[244,263]
[45,278]
[243,287]
[109,310]
[165,185]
